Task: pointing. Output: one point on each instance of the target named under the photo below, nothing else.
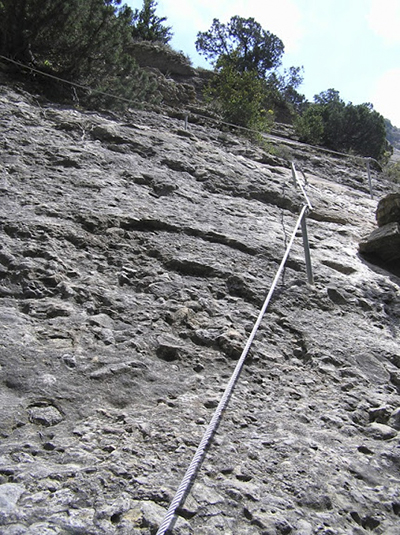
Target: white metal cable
(298, 182)
(73, 84)
(199, 455)
(131, 101)
(188, 478)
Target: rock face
(161, 57)
(134, 258)
(178, 82)
(384, 242)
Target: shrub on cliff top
(147, 26)
(246, 86)
(83, 41)
(343, 127)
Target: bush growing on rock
(343, 127)
(239, 97)
(310, 125)
(147, 26)
(244, 55)
(392, 172)
(82, 41)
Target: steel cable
(188, 479)
(132, 101)
(298, 182)
(73, 84)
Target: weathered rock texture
(388, 210)
(179, 84)
(134, 258)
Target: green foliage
(147, 26)
(243, 43)
(343, 127)
(244, 55)
(310, 125)
(329, 97)
(392, 172)
(239, 97)
(84, 41)
(282, 96)
(392, 134)
(365, 131)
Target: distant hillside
(393, 134)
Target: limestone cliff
(134, 258)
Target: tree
(330, 97)
(147, 26)
(282, 95)
(239, 97)
(242, 53)
(240, 48)
(22, 22)
(83, 41)
(310, 125)
(242, 42)
(332, 109)
(343, 127)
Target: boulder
(383, 244)
(388, 210)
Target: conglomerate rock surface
(134, 258)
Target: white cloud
(385, 96)
(384, 20)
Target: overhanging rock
(383, 242)
(388, 210)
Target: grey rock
(383, 242)
(395, 419)
(15, 529)
(10, 493)
(47, 415)
(134, 259)
(169, 348)
(388, 210)
(381, 431)
(336, 296)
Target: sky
(352, 46)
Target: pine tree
(330, 122)
(242, 42)
(147, 26)
(83, 41)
